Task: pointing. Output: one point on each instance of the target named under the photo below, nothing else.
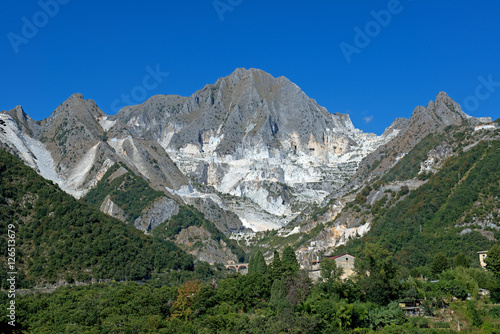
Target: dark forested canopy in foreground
(274, 298)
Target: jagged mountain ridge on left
(72, 149)
(75, 136)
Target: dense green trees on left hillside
(58, 237)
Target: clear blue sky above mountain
(104, 49)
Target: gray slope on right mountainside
(435, 117)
